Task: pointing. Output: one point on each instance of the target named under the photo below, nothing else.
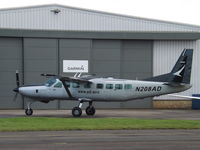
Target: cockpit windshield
(50, 82)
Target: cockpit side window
(58, 85)
(50, 82)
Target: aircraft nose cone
(16, 90)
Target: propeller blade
(17, 78)
(16, 90)
(15, 97)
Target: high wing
(77, 78)
(182, 96)
(74, 79)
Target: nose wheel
(28, 110)
(77, 111)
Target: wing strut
(66, 88)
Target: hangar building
(37, 39)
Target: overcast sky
(184, 11)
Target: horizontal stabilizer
(173, 84)
(182, 96)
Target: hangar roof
(56, 17)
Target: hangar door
(73, 49)
(128, 59)
(136, 63)
(10, 61)
(40, 56)
(106, 55)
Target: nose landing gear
(28, 110)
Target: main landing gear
(77, 111)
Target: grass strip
(54, 124)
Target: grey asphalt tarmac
(125, 113)
(106, 139)
(102, 140)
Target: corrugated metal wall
(165, 55)
(75, 19)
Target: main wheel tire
(76, 112)
(90, 111)
(28, 112)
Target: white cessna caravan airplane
(88, 88)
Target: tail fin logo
(178, 73)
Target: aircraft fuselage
(102, 89)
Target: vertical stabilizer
(183, 67)
(181, 72)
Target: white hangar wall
(165, 55)
(76, 19)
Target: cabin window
(128, 86)
(99, 86)
(118, 86)
(87, 85)
(75, 85)
(109, 86)
(58, 85)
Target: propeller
(15, 97)
(16, 90)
